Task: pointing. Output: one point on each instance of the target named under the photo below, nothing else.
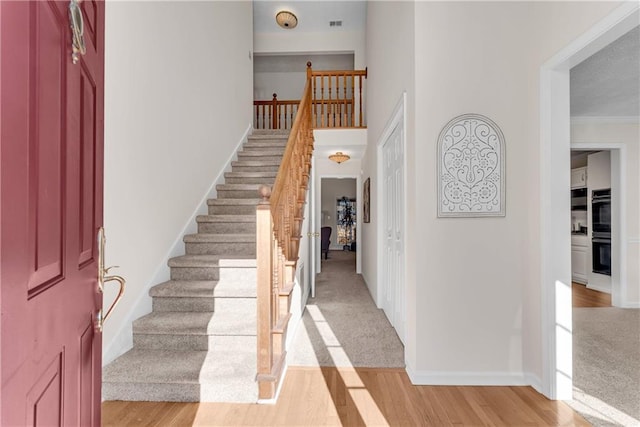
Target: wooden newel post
(274, 114)
(309, 70)
(264, 256)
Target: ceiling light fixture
(286, 19)
(339, 157)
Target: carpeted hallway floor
(341, 325)
(606, 365)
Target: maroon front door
(51, 134)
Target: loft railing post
(274, 112)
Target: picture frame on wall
(366, 201)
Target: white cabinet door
(579, 258)
(578, 178)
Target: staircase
(199, 342)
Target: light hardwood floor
(584, 297)
(355, 397)
(332, 397)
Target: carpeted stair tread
(248, 163)
(257, 174)
(226, 218)
(237, 261)
(227, 202)
(219, 238)
(267, 133)
(223, 187)
(263, 152)
(197, 323)
(203, 289)
(265, 143)
(225, 373)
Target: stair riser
(227, 227)
(238, 194)
(264, 168)
(213, 273)
(232, 209)
(250, 180)
(221, 248)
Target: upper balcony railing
(336, 102)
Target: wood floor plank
(584, 297)
(354, 397)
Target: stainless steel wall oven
(601, 231)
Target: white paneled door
(394, 293)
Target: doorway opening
(339, 218)
(557, 340)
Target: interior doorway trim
(555, 261)
(619, 215)
(398, 118)
(318, 214)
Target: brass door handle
(103, 279)
(77, 31)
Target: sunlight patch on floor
(594, 407)
(365, 404)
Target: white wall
(286, 75)
(390, 56)
(473, 285)
(178, 99)
(332, 190)
(309, 42)
(608, 132)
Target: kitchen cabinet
(579, 258)
(578, 178)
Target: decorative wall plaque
(471, 170)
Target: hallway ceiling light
(286, 19)
(339, 157)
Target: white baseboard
(534, 381)
(123, 340)
(274, 400)
(605, 289)
(635, 304)
(468, 378)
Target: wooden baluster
(360, 110)
(322, 106)
(353, 95)
(344, 117)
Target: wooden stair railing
(279, 217)
(337, 98)
(275, 114)
(336, 102)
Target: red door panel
(51, 151)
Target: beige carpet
(606, 365)
(341, 325)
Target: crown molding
(604, 119)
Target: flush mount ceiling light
(286, 19)
(339, 157)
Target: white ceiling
(313, 15)
(607, 84)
